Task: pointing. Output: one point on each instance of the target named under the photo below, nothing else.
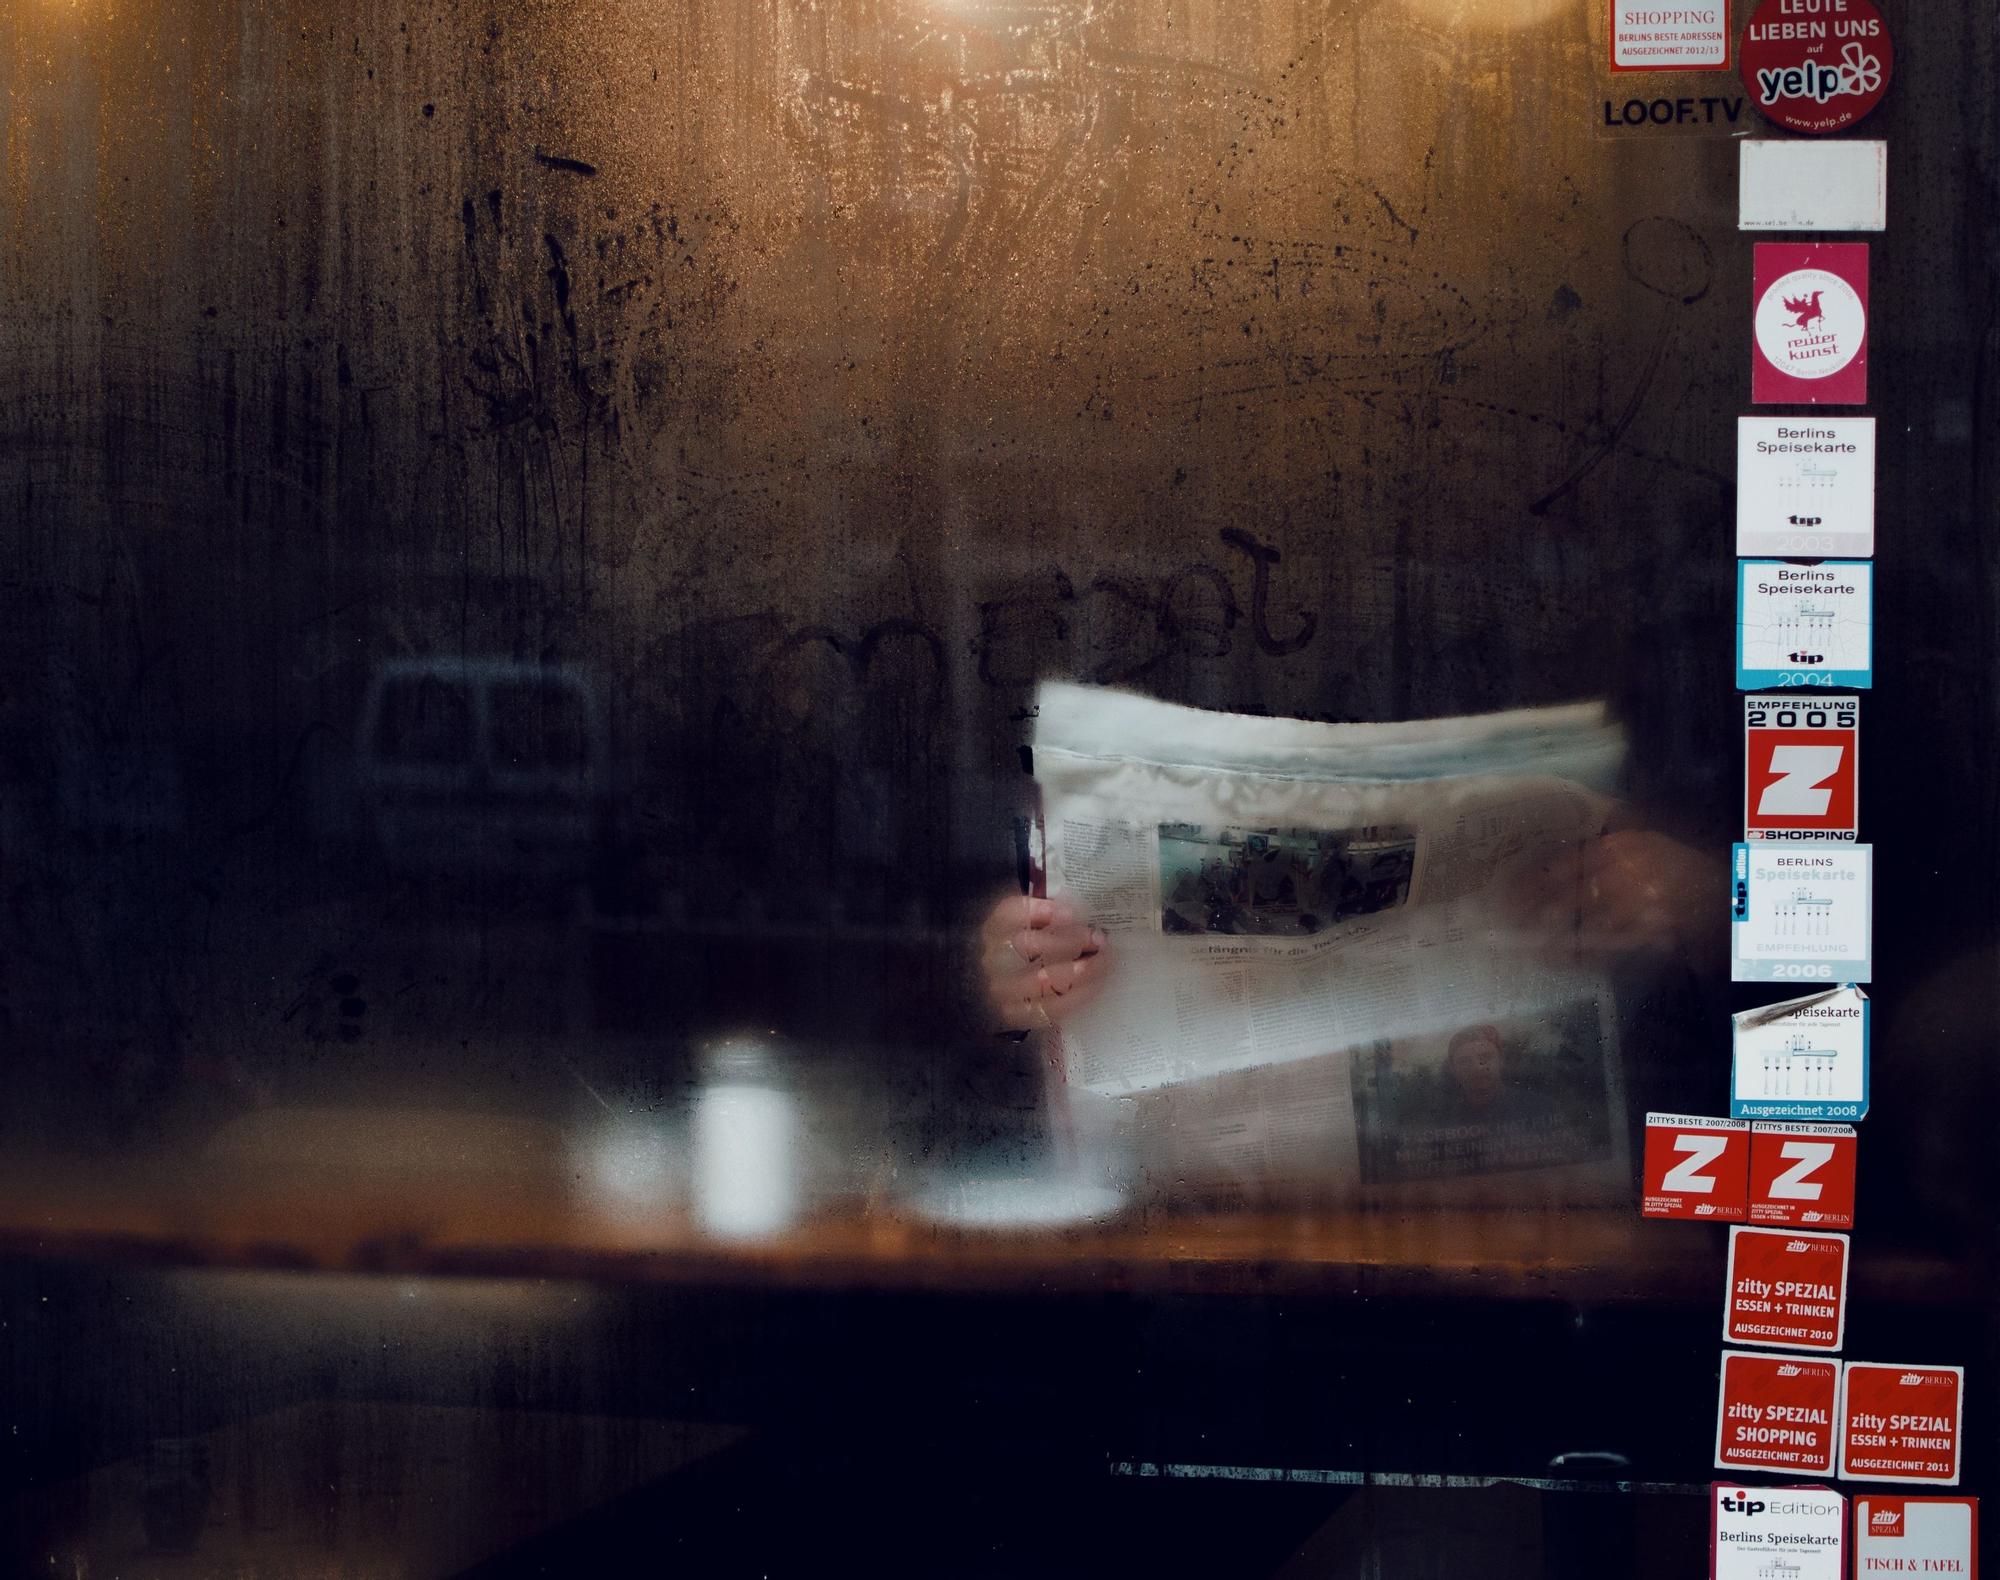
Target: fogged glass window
(538, 724)
(424, 720)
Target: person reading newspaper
(1625, 894)
(1271, 949)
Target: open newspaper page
(1313, 969)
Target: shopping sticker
(1805, 487)
(1817, 65)
(1695, 1168)
(1810, 342)
(1801, 915)
(1801, 769)
(1805, 625)
(1802, 1176)
(1776, 1413)
(1804, 1058)
(1916, 1536)
(1902, 1423)
(1758, 1533)
(1687, 35)
(1787, 1289)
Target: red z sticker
(1802, 769)
(1696, 1168)
(1803, 1175)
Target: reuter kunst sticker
(1811, 324)
(1817, 65)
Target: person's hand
(1627, 894)
(1041, 961)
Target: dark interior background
(812, 379)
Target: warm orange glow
(1489, 15)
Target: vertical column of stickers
(1802, 878)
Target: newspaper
(1277, 889)
(1312, 970)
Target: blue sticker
(1801, 624)
(1802, 915)
(1806, 1058)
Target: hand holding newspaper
(1283, 894)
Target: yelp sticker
(1817, 65)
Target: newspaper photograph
(1529, 1092)
(1278, 890)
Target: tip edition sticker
(1811, 323)
(1792, 1533)
(1802, 915)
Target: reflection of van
(482, 764)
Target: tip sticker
(1802, 915)
(1805, 625)
(1776, 1533)
(1805, 487)
(1805, 1058)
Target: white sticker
(1777, 1533)
(1802, 915)
(1806, 1058)
(1923, 1536)
(1689, 35)
(1805, 624)
(1805, 487)
(1797, 184)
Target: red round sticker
(1817, 65)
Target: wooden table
(412, 1193)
